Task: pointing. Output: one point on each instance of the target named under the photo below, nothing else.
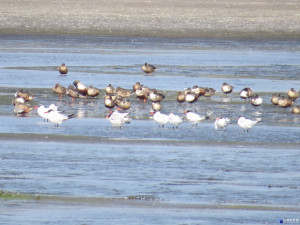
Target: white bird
(43, 111)
(194, 118)
(246, 124)
(160, 118)
(221, 123)
(175, 120)
(117, 119)
(57, 117)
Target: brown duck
(293, 94)
(296, 109)
(81, 88)
(275, 98)
(58, 89)
(109, 101)
(136, 86)
(246, 93)
(63, 70)
(109, 89)
(156, 106)
(285, 102)
(148, 68)
(26, 95)
(156, 96)
(209, 92)
(123, 104)
(226, 88)
(124, 93)
(92, 91)
(180, 97)
(22, 108)
(142, 94)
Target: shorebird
(117, 119)
(221, 123)
(161, 119)
(226, 88)
(175, 120)
(148, 68)
(194, 118)
(43, 111)
(256, 101)
(63, 70)
(246, 124)
(57, 117)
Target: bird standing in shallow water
(57, 117)
(63, 70)
(175, 120)
(148, 68)
(221, 123)
(226, 88)
(161, 119)
(247, 124)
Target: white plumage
(194, 118)
(57, 117)
(221, 123)
(246, 124)
(160, 118)
(175, 120)
(117, 119)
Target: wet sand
(202, 19)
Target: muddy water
(187, 173)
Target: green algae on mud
(138, 201)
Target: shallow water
(189, 172)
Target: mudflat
(272, 19)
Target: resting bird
(57, 117)
(194, 118)
(161, 119)
(175, 120)
(148, 68)
(247, 124)
(117, 119)
(63, 70)
(221, 123)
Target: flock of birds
(116, 100)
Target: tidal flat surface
(188, 175)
